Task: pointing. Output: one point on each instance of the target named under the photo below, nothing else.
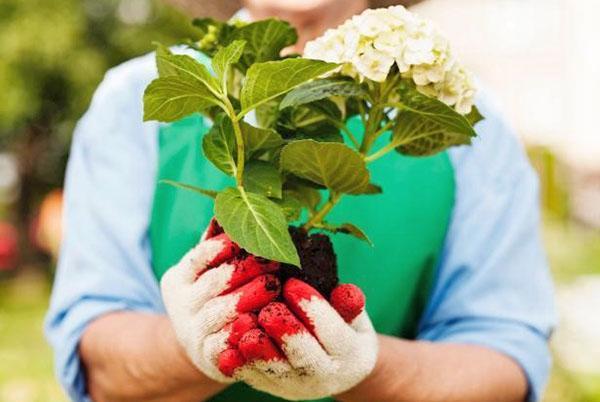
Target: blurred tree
(53, 55)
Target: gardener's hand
(326, 350)
(209, 295)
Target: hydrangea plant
(387, 67)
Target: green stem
(383, 151)
(383, 129)
(345, 129)
(373, 124)
(317, 218)
(239, 142)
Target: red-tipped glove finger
(206, 254)
(253, 345)
(249, 268)
(301, 348)
(230, 360)
(256, 345)
(242, 324)
(348, 300)
(221, 310)
(319, 315)
(229, 277)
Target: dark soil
(317, 258)
(318, 261)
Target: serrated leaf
(291, 206)
(189, 187)
(225, 57)
(164, 69)
(426, 126)
(333, 165)
(169, 99)
(262, 178)
(219, 145)
(257, 224)
(265, 81)
(259, 139)
(187, 68)
(265, 40)
(321, 89)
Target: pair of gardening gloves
(223, 307)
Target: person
(457, 286)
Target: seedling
(280, 122)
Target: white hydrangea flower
(368, 45)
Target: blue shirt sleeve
(104, 263)
(493, 286)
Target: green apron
(407, 224)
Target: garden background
(539, 57)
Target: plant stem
(317, 218)
(383, 129)
(239, 142)
(373, 124)
(383, 151)
(345, 129)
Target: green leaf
(207, 193)
(187, 68)
(291, 206)
(307, 196)
(321, 89)
(262, 178)
(265, 40)
(345, 228)
(426, 126)
(474, 116)
(219, 145)
(311, 121)
(267, 114)
(333, 165)
(259, 139)
(351, 229)
(257, 224)
(265, 81)
(225, 57)
(164, 69)
(168, 99)
(373, 189)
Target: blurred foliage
(554, 183)
(54, 54)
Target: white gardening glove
(210, 294)
(323, 355)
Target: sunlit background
(540, 59)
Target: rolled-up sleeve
(493, 286)
(104, 264)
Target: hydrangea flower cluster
(369, 44)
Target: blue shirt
(492, 288)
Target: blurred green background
(53, 55)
